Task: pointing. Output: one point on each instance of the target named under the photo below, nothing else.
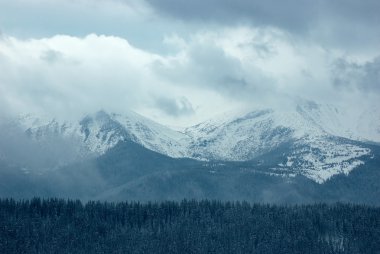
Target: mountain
(130, 171)
(101, 131)
(244, 135)
(319, 143)
(292, 154)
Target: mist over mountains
(307, 154)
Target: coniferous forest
(68, 226)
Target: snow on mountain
(39, 143)
(319, 158)
(101, 131)
(242, 138)
(154, 136)
(318, 137)
(361, 125)
(248, 134)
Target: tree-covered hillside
(59, 226)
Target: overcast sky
(180, 61)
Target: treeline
(60, 226)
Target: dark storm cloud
(331, 19)
(293, 14)
(175, 107)
(366, 77)
(226, 11)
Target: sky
(180, 62)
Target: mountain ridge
(317, 150)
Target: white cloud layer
(71, 76)
(207, 72)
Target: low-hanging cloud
(69, 73)
(179, 107)
(69, 76)
(52, 56)
(352, 75)
(204, 65)
(209, 71)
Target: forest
(71, 226)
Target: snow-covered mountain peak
(353, 123)
(317, 140)
(101, 131)
(303, 117)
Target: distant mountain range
(129, 156)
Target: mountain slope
(130, 171)
(246, 134)
(316, 149)
(316, 140)
(99, 132)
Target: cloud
(65, 73)
(129, 19)
(69, 76)
(173, 107)
(353, 75)
(228, 61)
(51, 56)
(207, 72)
(203, 65)
(282, 14)
(247, 64)
(332, 22)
